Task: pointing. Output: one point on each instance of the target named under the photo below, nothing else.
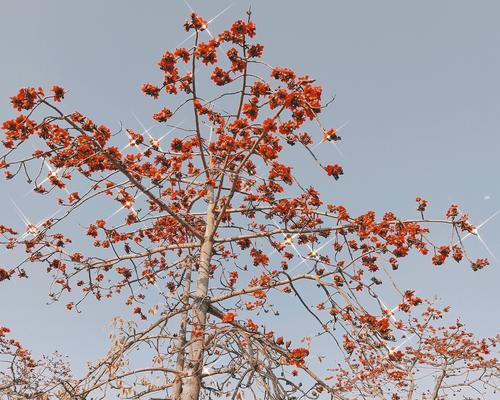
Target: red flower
(259, 89)
(480, 263)
(422, 204)
(163, 115)
(58, 93)
(452, 211)
(167, 62)
(229, 317)
(206, 51)
(25, 99)
(330, 135)
(4, 330)
(252, 325)
(259, 258)
(196, 22)
(281, 171)
(233, 278)
(251, 111)
(269, 125)
(124, 271)
(182, 53)
(251, 29)
(151, 90)
(334, 170)
(283, 74)
(255, 51)
(4, 274)
(297, 356)
(457, 253)
(239, 28)
(220, 77)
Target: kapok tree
(433, 360)
(23, 377)
(217, 230)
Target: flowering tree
(440, 362)
(24, 377)
(218, 229)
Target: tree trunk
(179, 365)
(439, 382)
(192, 383)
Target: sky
(416, 99)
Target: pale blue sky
(417, 93)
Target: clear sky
(417, 96)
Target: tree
(216, 226)
(24, 377)
(443, 361)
